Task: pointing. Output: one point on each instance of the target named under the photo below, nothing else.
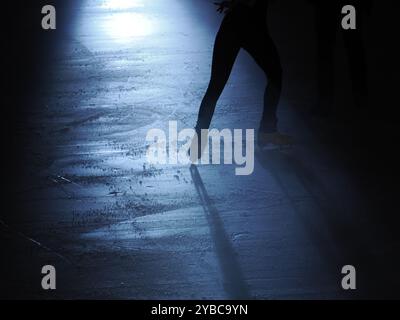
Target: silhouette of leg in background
(326, 27)
(354, 45)
(328, 20)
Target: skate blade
(272, 147)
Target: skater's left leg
(265, 53)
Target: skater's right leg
(225, 52)
(226, 49)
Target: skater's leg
(226, 49)
(225, 52)
(265, 53)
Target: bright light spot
(121, 4)
(123, 27)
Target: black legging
(243, 28)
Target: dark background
(368, 141)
